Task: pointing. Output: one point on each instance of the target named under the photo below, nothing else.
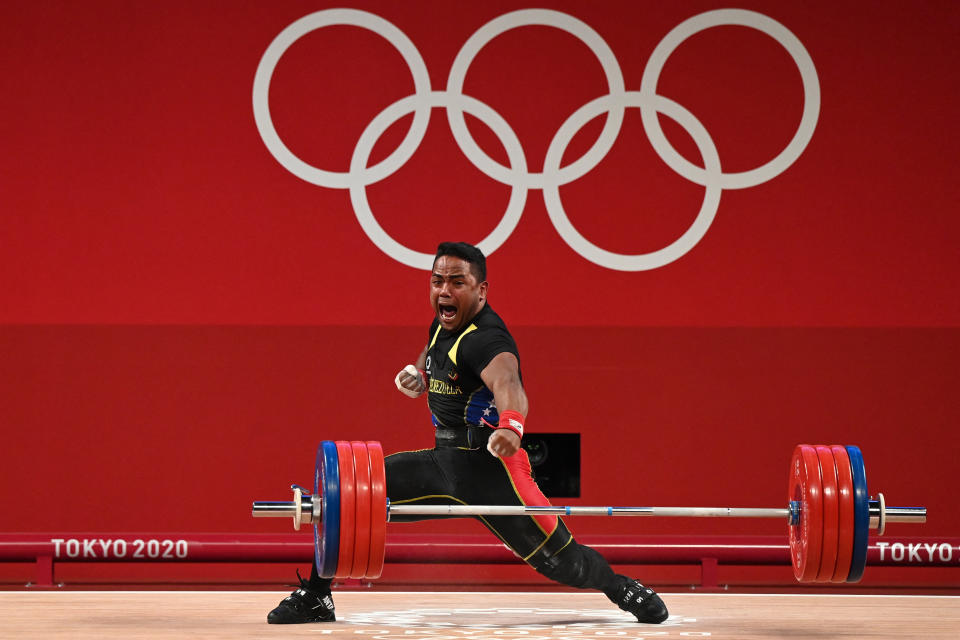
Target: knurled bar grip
(495, 510)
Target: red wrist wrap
(512, 420)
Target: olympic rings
(553, 175)
(261, 89)
(370, 135)
(808, 75)
(589, 37)
(711, 200)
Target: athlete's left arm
(502, 377)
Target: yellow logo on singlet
(441, 386)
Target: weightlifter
(470, 371)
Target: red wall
(182, 319)
(179, 428)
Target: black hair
(467, 252)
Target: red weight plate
(795, 494)
(828, 474)
(814, 501)
(845, 521)
(348, 509)
(378, 510)
(806, 536)
(361, 547)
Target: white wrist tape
(412, 370)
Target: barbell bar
(829, 512)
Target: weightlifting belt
(470, 437)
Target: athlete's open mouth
(447, 312)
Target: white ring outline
(786, 39)
(680, 246)
(369, 137)
(646, 99)
(546, 18)
(261, 94)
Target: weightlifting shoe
(303, 605)
(641, 601)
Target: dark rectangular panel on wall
(555, 461)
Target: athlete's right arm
(412, 379)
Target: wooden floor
(478, 616)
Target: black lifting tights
(579, 566)
(471, 476)
(575, 565)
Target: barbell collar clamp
(303, 509)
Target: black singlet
(457, 395)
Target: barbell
(829, 511)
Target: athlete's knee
(573, 564)
(561, 560)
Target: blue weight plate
(326, 535)
(316, 496)
(861, 514)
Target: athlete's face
(455, 294)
